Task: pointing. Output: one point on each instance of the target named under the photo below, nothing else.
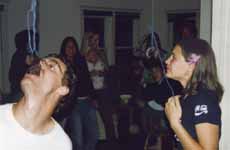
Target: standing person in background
(20, 62)
(85, 43)
(98, 73)
(195, 116)
(97, 69)
(93, 44)
(28, 124)
(188, 30)
(82, 123)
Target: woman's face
(92, 56)
(177, 67)
(70, 49)
(94, 42)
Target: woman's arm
(207, 133)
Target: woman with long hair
(195, 116)
(82, 123)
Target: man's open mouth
(35, 68)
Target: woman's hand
(173, 110)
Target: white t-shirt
(14, 137)
(98, 80)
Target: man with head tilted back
(28, 124)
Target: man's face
(45, 77)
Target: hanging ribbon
(31, 23)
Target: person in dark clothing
(195, 116)
(81, 123)
(156, 94)
(70, 50)
(20, 62)
(162, 88)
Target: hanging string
(31, 23)
(154, 46)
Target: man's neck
(33, 116)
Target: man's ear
(63, 90)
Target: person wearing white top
(28, 124)
(97, 69)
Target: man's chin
(27, 86)
(27, 80)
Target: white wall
(58, 19)
(206, 20)
(221, 46)
(4, 1)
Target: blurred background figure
(188, 30)
(93, 44)
(98, 68)
(20, 62)
(82, 123)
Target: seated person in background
(161, 88)
(156, 93)
(136, 77)
(28, 124)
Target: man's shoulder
(62, 138)
(5, 108)
(5, 115)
